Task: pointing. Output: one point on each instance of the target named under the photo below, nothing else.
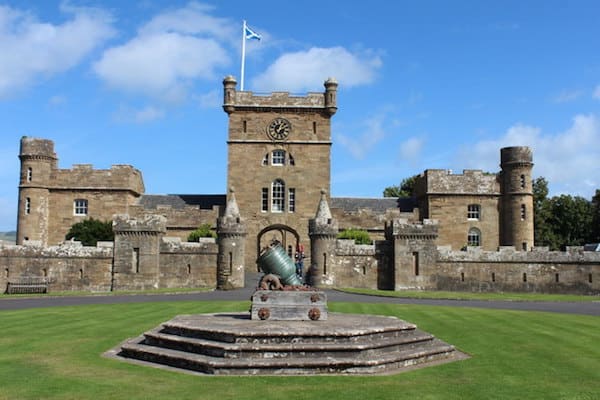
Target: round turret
(517, 197)
(229, 84)
(38, 161)
(331, 95)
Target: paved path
(584, 308)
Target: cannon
(278, 267)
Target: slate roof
(179, 201)
(378, 205)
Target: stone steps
(365, 345)
(232, 344)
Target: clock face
(279, 129)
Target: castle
(469, 231)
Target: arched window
(474, 237)
(278, 196)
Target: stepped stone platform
(235, 344)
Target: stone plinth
(276, 305)
(234, 344)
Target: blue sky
(423, 84)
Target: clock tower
(279, 159)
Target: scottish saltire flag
(250, 34)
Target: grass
(491, 296)
(55, 353)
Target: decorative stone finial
(323, 212)
(232, 210)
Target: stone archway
(287, 236)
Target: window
(523, 212)
(245, 126)
(80, 207)
(291, 199)
(278, 157)
(474, 237)
(278, 196)
(264, 200)
(314, 126)
(29, 174)
(27, 205)
(473, 211)
(522, 181)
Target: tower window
(29, 174)
(244, 126)
(474, 237)
(315, 127)
(80, 207)
(291, 199)
(522, 181)
(473, 211)
(27, 205)
(278, 196)
(278, 157)
(264, 207)
(523, 212)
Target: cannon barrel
(275, 260)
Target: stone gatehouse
(283, 143)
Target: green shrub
(203, 231)
(358, 235)
(90, 231)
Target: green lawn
(492, 296)
(55, 353)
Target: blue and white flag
(250, 34)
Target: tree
(90, 231)
(571, 221)
(543, 233)
(405, 189)
(595, 234)
(203, 231)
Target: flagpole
(243, 56)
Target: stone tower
(231, 234)
(279, 153)
(516, 227)
(323, 231)
(38, 162)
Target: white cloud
(31, 50)
(168, 54)
(307, 70)
(568, 160)
(410, 149)
(567, 96)
(139, 116)
(596, 93)
(212, 99)
(372, 133)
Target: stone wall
(69, 266)
(188, 265)
(357, 266)
(574, 271)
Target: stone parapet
(122, 223)
(470, 182)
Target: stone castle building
(278, 172)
